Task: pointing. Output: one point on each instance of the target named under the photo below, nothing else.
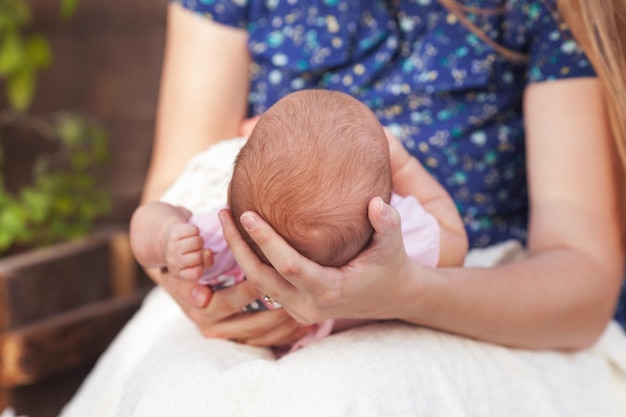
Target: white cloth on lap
(160, 365)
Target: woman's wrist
(417, 299)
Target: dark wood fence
(107, 64)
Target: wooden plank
(124, 268)
(43, 282)
(40, 350)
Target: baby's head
(310, 167)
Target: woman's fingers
(285, 334)
(220, 315)
(294, 281)
(260, 274)
(294, 270)
(231, 301)
(386, 223)
(205, 307)
(244, 326)
(310, 292)
(188, 294)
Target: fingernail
(384, 210)
(198, 296)
(248, 221)
(222, 217)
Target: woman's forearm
(558, 299)
(564, 293)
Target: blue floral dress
(452, 98)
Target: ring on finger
(268, 299)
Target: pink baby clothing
(224, 272)
(420, 234)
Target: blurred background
(88, 80)
(106, 63)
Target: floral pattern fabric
(453, 99)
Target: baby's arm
(161, 236)
(410, 178)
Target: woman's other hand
(371, 286)
(220, 314)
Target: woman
(573, 308)
(468, 90)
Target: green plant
(63, 199)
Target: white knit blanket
(160, 365)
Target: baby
(310, 167)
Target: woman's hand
(219, 314)
(371, 286)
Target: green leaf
(68, 8)
(64, 205)
(70, 130)
(83, 181)
(11, 54)
(100, 145)
(103, 202)
(36, 204)
(13, 14)
(88, 210)
(5, 199)
(21, 89)
(38, 51)
(55, 230)
(80, 161)
(12, 219)
(6, 239)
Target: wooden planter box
(60, 307)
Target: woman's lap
(160, 365)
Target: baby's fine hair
(310, 167)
